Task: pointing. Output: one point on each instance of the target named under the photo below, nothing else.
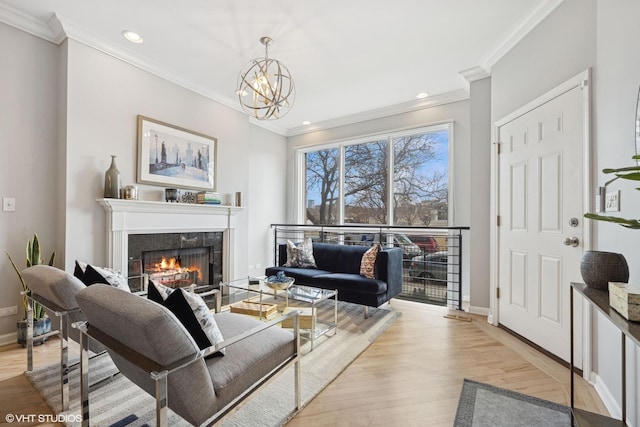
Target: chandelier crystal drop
(266, 89)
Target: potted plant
(599, 268)
(41, 322)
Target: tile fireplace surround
(125, 217)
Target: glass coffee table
(251, 296)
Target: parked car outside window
(409, 249)
(431, 268)
(425, 243)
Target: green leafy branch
(631, 173)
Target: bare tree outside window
(322, 186)
(366, 184)
(421, 177)
(418, 181)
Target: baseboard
(607, 397)
(483, 311)
(9, 338)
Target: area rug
(483, 405)
(121, 403)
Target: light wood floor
(411, 376)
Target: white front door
(540, 206)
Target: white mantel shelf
(146, 206)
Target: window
(399, 179)
(366, 183)
(421, 178)
(322, 186)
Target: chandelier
(266, 89)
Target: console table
(600, 300)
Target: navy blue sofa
(338, 267)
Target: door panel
(519, 197)
(549, 196)
(518, 283)
(550, 288)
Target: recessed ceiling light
(306, 123)
(132, 36)
(422, 95)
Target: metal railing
(432, 256)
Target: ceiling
(350, 60)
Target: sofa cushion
(353, 282)
(339, 258)
(192, 312)
(247, 360)
(302, 275)
(54, 284)
(300, 255)
(91, 274)
(368, 262)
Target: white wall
(28, 131)
(267, 181)
(617, 79)
(458, 112)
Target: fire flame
(172, 266)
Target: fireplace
(140, 229)
(177, 259)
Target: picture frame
(171, 156)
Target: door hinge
(498, 220)
(498, 293)
(584, 83)
(499, 145)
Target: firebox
(178, 267)
(177, 259)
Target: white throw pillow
(301, 255)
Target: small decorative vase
(112, 181)
(171, 195)
(599, 268)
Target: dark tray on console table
(600, 300)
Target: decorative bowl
(599, 268)
(278, 285)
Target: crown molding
(20, 20)
(475, 73)
(406, 107)
(528, 23)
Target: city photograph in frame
(171, 156)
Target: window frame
(299, 199)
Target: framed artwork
(171, 156)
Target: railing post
(460, 270)
(275, 245)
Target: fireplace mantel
(146, 206)
(126, 217)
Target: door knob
(571, 241)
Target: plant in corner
(41, 323)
